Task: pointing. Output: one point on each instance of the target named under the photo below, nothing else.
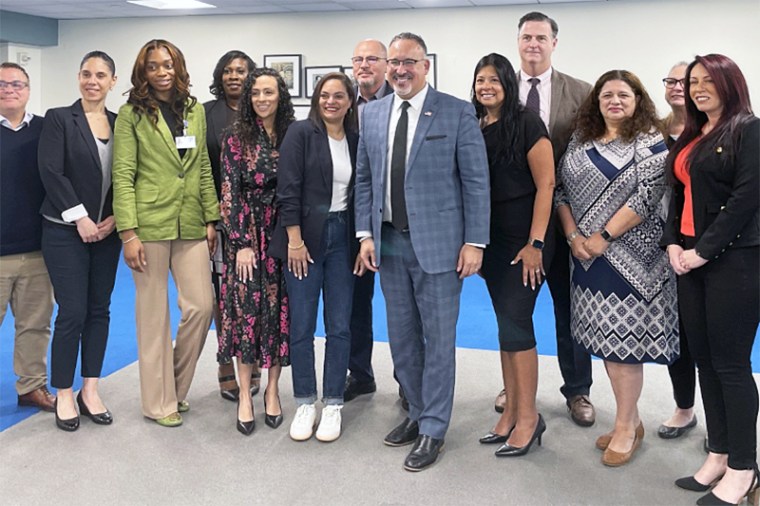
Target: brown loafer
(612, 458)
(603, 441)
(581, 410)
(501, 401)
(40, 398)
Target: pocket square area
(435, 137)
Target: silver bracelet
(572, 235)
(131, 239)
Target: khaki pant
(24, 283)
(166, 372)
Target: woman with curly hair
(254, 303)
(623, 294)
(165, 208)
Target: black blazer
(217, 114)
(70, 165)
(725, 194)
(304, 188)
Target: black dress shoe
(69, 425)
(245, 428)
(355, 388)
(104, 418)
(424, 454)
(405, 434)
(690, 483)
(493, 438)
(273, 421)
(666, 432)
(507, 450)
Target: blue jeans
(332, 275)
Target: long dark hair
(590, 122)
(732, 90)
(508, 124)
(141, 94)
(246, 126)
(350, 121)
(217, 88)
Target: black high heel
(752, 495)
(69, 425)
(507, 450)
(104, 418)
(690, 483)
(272, 421)
(494, 437)
(245, 428)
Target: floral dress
(254, 314)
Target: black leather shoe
(493, 438)
(507, 450)
(424, 454)
(104, 418)
(355, 388)
(69, 425)
(690, 483)
(405, 434)
(245, 428)
(666, 432)
(273, 421)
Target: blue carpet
(476, 329)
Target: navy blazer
(725, 194)
(304, 188)
(69, 163)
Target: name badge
(185, 142)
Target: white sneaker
(303, 424)
(329, 425)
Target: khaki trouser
(24, 283)
(166, 372)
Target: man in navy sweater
(24, 282)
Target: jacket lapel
(168, 138)
(80, 120)
(324, 158)
(427, 116)
(558, 88)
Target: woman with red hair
(712, 239)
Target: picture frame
(314, 74)
(349, 71)
(289, 67)
(432, 76)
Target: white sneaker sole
(328, 439)
(302, 437)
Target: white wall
(644, 36)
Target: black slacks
(720, 309)
(83, 276)
(360, 362)
(683, 374)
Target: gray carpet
(206, 461)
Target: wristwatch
(536, 243)
(606, 235)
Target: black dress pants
(720, 309)
(83, 276)
(360, 362)
(683, 374)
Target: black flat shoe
(104, 418)
(69, 425)
(690, 483)
(507, 450)
(404, 434)
(273, 421)
(355, 388)
(667, 432)
(245, 428)
(424, 454)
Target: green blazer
(157, 193)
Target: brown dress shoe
(501, 401)
(603, 441)
(581, 410)
(40, 398)
(612, 458)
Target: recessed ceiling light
(172, 4)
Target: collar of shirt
(415, 102)
(378, 95)
(24, 122)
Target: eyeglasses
(14, 85)
(669, 82)
(371, 60)
(407, 63)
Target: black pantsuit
(83, 276)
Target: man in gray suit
(422, 214)
(556, 97)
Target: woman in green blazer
(165, 207)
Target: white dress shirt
(24, 122)
(544, 89)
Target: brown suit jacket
(568, 93)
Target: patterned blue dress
(624, 306)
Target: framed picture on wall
(349, 71)
(289, 67)
(314, 74)
(432, 76)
